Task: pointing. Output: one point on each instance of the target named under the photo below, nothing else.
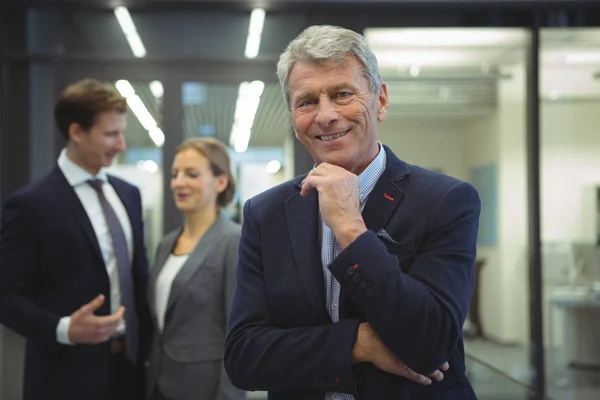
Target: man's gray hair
(328, 45)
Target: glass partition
(570, 209)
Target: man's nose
(326, 112)
(121, 142)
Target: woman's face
(193, 183)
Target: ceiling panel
(215, 113)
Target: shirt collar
(74, 173)
(369, 177)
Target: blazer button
(356, 277)
(369, 292)
(362, 285)
(350, 270)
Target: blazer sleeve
(419, 314)
(142, 281)
(261, 356)
(226, 389)
(18, 258)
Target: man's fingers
(306, 187)
(437, 376)
(120, 312)
(309, 183)
(417, 378)
(108, 320)
(445, 367)
(90, 307)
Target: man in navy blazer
(354, 280)
(62, 283)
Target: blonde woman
(193, 280)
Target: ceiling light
(157, 136)
(139, 109)
(409, 58)
(441, 37)
(273, 166)
(246, 106)
(157, 89)
(257, 19)
(414, 71)
(583, 58)
(125, 88)
(554, 95)
(130, 31)
(141, 112)
(148, 166)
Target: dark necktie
(119, 244)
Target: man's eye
(306, 103)
(344, 94)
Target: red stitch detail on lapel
(387, 196)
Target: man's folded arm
(259, 356)
(419, 314)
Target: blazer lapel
(303, 228)
(386, 195)
(194, 262)
(164, 249)
(69, 198)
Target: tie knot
(96, 184)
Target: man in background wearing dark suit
(73, 267)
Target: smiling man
(354, 280)
(73, 265)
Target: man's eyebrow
(335, 88)
(301, 95)
(342, 85)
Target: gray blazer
(186, 359)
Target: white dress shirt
(77, 178)
(164, 281)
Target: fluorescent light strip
(257, 20)
(130, 31)
(246, 106)
(141, 112)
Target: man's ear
(383, 103)
(76, 132)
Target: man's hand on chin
(339, 201)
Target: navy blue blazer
(50, 265)
(410, 276)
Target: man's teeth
(331, 137)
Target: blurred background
(503, 94)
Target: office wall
(570, 169)
(570, 149)
(430, 143)
(455, 145)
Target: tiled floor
(562, 383)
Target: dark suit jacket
(186, 358)
(411, 281)
(50, 265)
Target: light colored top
(77, 178)
(164, 282)
(330, 247)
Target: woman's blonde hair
(218, 157)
